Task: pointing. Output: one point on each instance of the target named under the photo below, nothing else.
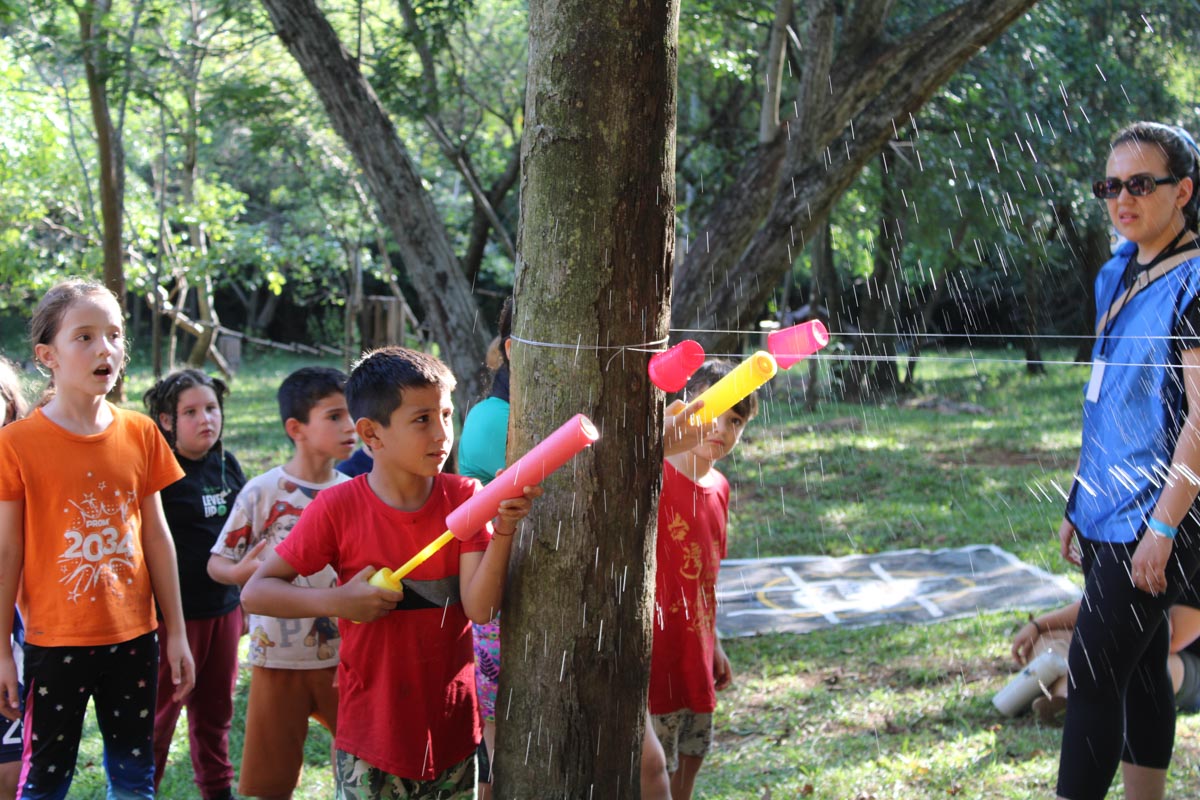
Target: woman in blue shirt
(1130, 521)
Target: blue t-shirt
(359, 463)
(484, 441)
(1134, 410)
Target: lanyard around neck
(1162, 264)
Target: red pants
(214, 646)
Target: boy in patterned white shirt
(294, 661)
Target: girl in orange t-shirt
(85, 552)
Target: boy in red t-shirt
(687, 664)
(407, 718)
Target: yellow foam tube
(739, 383)
(390, 579)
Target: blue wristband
(1161, 528)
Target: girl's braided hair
(163, 398)
(15, 406)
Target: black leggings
(1120, 705)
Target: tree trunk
(768, 119)
(192, 61)
(481, 224)
(1032, 275)
(825, 296)
(206, 302)
(594, 254)
(264, 316)
(850, 98)
(110, 154)
(1087, 247)
(1095, 252)
(867, 377)
(933, 300)
(404, 206)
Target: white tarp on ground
(805, 593)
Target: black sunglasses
(1137, 185)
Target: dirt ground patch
(1003, 457)
(757, 709)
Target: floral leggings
(355, 779)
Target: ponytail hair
(1181, 153)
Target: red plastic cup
(797, 342)
(670, 370)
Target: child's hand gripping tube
(670, 371)
(739, 383)
(529, 470)
(798, 342)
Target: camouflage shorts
(683, 732)
(356, 779)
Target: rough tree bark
(404, 206)
(594, 253)
(856, 86)
(188, 66)
(110, 154)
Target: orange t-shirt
(84, 579)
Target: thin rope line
(966, 359)
(660, 345)
(938, 335)
(653, 346)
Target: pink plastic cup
(670, 370)
(797, 342)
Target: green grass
(883, 712)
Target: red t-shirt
(692, 520)
(406, 682)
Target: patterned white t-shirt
(268, 508)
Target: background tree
(991, 186)
(403, 204)
(863, 66)
(595, 249)
(95, 26)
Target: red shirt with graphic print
(692, 521)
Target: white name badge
(1093, 387)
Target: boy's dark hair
(163, 398)
(306, 387)
(377, 382)
(709, 373)
(1179, 150)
